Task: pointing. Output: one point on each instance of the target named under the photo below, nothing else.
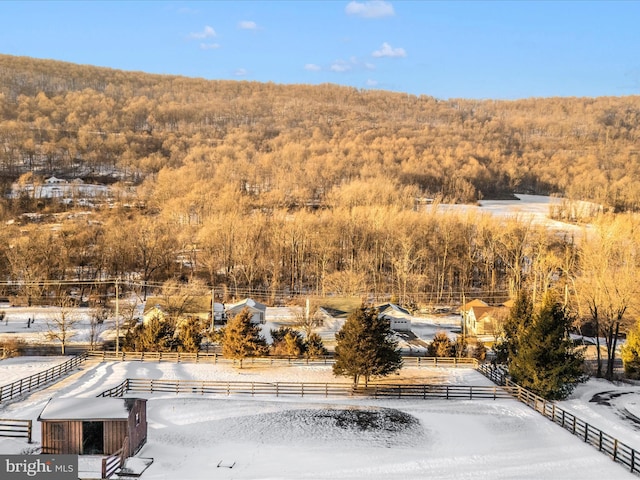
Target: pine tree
(480, 351)
(519, 319)
(156, 335)
(241, 338)
(546, 361)
(365, 347)
(190, 335)
(313, 347)
(287, 341)
(441, 346)
(630, 353)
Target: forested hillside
(294, 145)
(276, 191)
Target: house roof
(100, 408)
(482, 313)
(247, 302)
(509, 303)
(392, 308)
(473, 303)
(196, 304)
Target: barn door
(92, 438)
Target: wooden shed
(93, 426)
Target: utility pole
(213, 310)
(117, 318)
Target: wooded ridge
(290, 146)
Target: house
(479, 318)
(54, 181)
(93, 426)
(398, 317)
(180, 308)
(257, 310)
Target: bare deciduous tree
(61, 325)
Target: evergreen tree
(480, 351)
(441, 346)
(519, 319)
(546, 360)
(365, 347)
(241, 338)
(156, 335)
(190, 335)
(287, 341)
(630, 353)
(313, 347)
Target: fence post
(586, 432)
(615, 450)
(29, 431)
(600, 441)
(633, 460)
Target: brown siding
(137, 433)
(62, 437)
(114, 433)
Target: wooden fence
(201, 387)
(114, 461)
(24, 385)
(178, 357)
(616, 450)
(16, 428)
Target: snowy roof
(55, 180)
(100, 408)
(247, 302)
(384, 309)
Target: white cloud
(372, 83)
(369, 66)
(208, 32)
(371, 9)
(388, 51)
(209, 46)
(240, 72)
(247, 25)
(312, 67)
(340, 66)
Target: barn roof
(100, 408)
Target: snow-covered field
(533, 208)
(296, 438)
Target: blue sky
(452, 49)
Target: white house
(55, 181)
(398, 317)
(257, 310)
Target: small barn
(93, 426)
(399, 318)
(258, 310)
